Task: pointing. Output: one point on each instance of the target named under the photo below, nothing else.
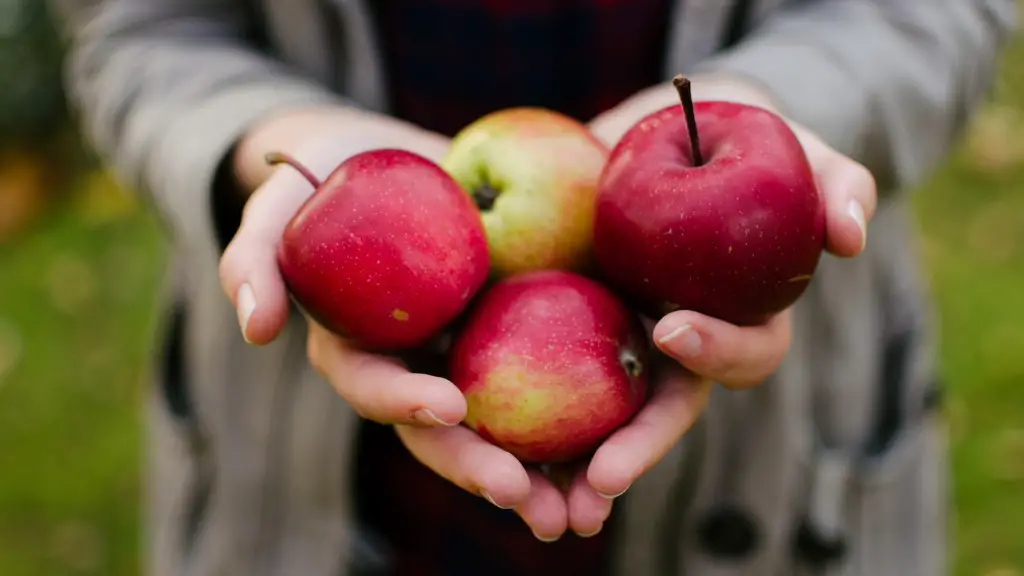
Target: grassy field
(76, 310)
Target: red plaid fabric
(450, 62)
(430, 527)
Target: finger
(677, 400)
(248, 268)
(736, 357)
(850, 199)
(588, 510)
(466, 460)
(850, 194)
(380, 388)
(544, 510)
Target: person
(817, 451)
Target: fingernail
(491, 500)
(683, 342)
(614, 496)
(545, 540)
(591, 534)
(246, 305)
(856, 212)
(428, 418)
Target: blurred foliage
(39, 151)
(32, 103)
(77, 298)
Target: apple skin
(543, 167)
(551, 363)
(737, 238)
(386, 252)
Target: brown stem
(682, 85)
(274, 158)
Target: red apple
(386, 252)
(734, 231)
(551, 363)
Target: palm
(575, 497)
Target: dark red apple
(727, 222)
(551, 363)
(386, 252)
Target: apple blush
(710, 207)
(386, 252)
(533, 174)
(551, 363)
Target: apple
(710, 207)
(533, 175)
(551, 363)
(386, 252)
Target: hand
(376, 387)
(424, 409)
(742, 357)
(706, 349)
(320, 139)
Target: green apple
(533, 175)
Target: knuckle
(862, 178)
(314, 352)
(226, 267)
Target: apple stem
(485, 196)
(683, 87)
(275, 158)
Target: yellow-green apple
(710, 207)
(533, 174)
(551, 363)
(387, 251)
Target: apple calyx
(683, 87)
(631, 363)
(485, 195)
(276, 158)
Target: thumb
(248, 270)
(849, 190)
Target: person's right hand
(425, 410)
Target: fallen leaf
(102, 199)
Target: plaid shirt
(450, 62)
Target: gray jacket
(835, 466)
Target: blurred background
(80, 261)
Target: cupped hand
(320, 140)
(704, 349)
(739, 357)
(424, 409)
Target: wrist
(344, 131)
(283, 132)
(733, 88)
(611, 125)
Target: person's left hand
(703, 349)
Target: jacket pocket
(899, 506)
(179, 442)
(879, 506)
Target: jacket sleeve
(165, 88)
(889, 83)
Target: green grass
(77, 310)
(76, 301)
(972, 220)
